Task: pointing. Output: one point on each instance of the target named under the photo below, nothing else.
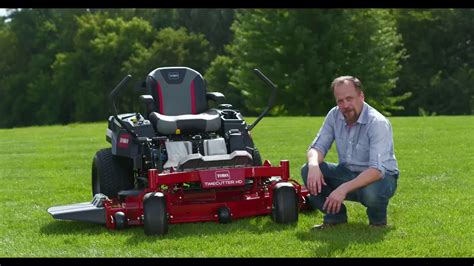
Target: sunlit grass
(430, 215)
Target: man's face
(349, 100)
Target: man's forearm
(365, 178)
(315, 157)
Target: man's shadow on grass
(336, 240)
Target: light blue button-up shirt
(367, 144)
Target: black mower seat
(208, 121)
(180, 100)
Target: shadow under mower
(183, 162)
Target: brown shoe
(326, 225)
(371, 225)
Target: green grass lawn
(429, 216)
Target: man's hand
(315, 179)
(334, 200)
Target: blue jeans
(374, 196)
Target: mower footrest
(86, 212)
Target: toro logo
(222, 175)
(124, 139)
(173, 75)
(222, 178)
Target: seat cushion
(208, 121)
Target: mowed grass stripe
(430, 215)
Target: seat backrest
(177, 90)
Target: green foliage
(218, 77)
(9, 95)
(59, 65)
(94, 67)
(439, 69)
(304, 50)
(32, 39)
(213, 23)
(62, 64)
(171, 48)
(158, 18)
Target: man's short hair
(341, 79)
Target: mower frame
(170, 196)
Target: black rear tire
(111, 174)
(257, 159)
(285, 203)
(154, 213)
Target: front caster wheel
(120, 220)
(285, 203)
(155, 216)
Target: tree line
(58, 65)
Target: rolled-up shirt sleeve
(325, 136)
(379, 151)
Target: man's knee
(325, 169)
(373, 198)
(378, 193)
